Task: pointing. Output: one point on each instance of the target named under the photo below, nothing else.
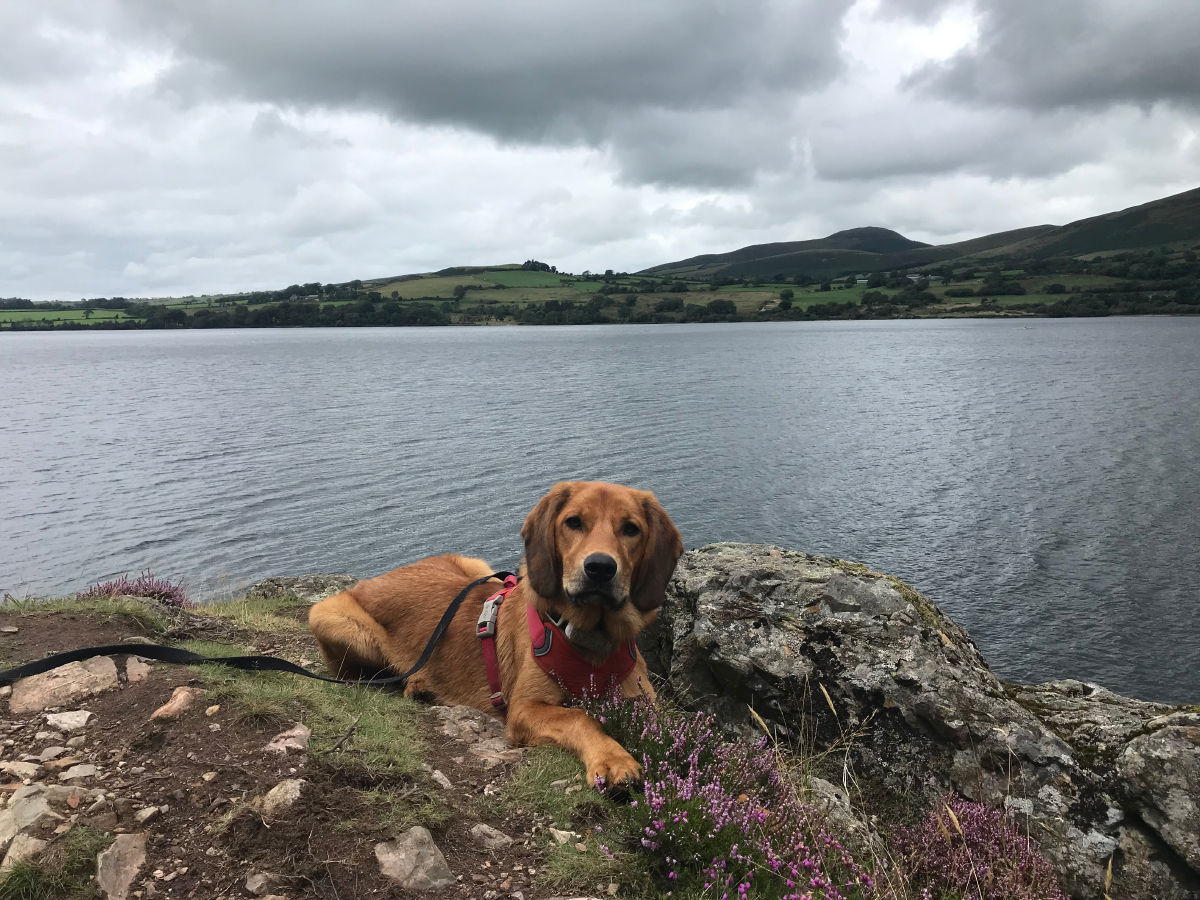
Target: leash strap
(180, 656)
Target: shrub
(1055, 288)
(959, 292)
(145, 585)
(787, 294)
(968, 850)
(724, 817)
(721, 307)
(668, 304)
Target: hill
(1170, 220)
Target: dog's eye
(630, 530)
(574, 523)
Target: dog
(598, 558)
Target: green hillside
(1172, 221)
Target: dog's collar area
(577, 676)
(485, 630)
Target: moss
(856, 568)
(929, 615)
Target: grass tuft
(63, 873)
(262, 614)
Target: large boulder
(831, 653)
(307, 588)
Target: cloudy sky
(152, 147)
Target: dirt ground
(203, 770)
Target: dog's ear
(664, 546)
(543, 565)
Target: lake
(1040, 480)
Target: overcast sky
(153, 147)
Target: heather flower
(721, 815)
(145, 585)
(973, 851)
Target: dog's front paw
(615, 770)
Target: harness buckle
(486, 626)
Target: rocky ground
(128, 779)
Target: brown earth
(321, 847)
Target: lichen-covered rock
(1159, 773)
(831, 652)
(307, 588)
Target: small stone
(295, 738)
(490, 838)
(414, 861)
(561, 784)
(117, 866)
(63, 762)
(147, 815)
(51, 753)
(213, 710)
(136, 669)
(561, 837)
(9, 629)
(209, 776)
(279, 798)
(215, 726)
(78, 741)
(260, 883)
(582, 848)
(86, 770)
(137, 770)
(76, 720)
(442, 781)
(182, 699)
(5, 692)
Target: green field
(60, 315)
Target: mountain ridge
(1167, 220)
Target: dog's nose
(600, 567)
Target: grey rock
(83, 770)
(147, 815)
(1159, 773)
(22, 848)
(483, 734)
(23, 770)
(414, 862)
(261, 883)
(295, 739)
(752, 625)
(307, 588)
(117, 866)
(490, 838)
(280, 798)
(75, 720)
(64, 685)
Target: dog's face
(600, 555)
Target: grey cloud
(527, 71)
(1075, 53)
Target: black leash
(247, 663)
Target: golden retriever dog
(597, 561)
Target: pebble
(213, 710)
(78, 741)
(9, 629)
(147, 815)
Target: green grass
(60, 315)
(386, 745)
(63, 873)
(140, 615)
(523, 278)
(260, 614)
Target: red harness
(553, 652)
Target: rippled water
(1040, 480)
